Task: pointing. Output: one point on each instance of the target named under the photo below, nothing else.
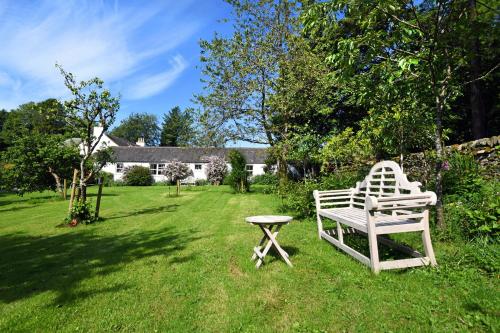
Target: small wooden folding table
(267, 223)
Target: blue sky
(146, 50)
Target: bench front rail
(374, 208)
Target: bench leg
(426, 238)
(320, 225)
(373, 243)
(340, 233)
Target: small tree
(137, 176)
(216, 170)
(176, 171)
(30, 163)
(238, 178)
(91, 105)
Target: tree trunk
(73, 190)
(478, 110)
(59, 187)
(83, 184)
(178, 183)
(438, 140)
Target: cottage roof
(120, 141)
(184, 154)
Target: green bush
(137, 176)
(106, 178)
(298, 196)
(82, 212)
(238, 177)
(265, 179)
(476, 213)
(201, 182)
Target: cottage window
(119, 167)
(250, 170)
(197, 166)
(153, 169)
(161, 168)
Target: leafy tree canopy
(139, 125)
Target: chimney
(140, 142)
(97, 131)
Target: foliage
(472, 203)
(346, 148)
(37, 162)
(90, 104)
(240, 71)
(177, 128)
(238, 177)
(403, 58)
(139, 125)
(216, 170)
(176, 170)
(298, 196)
(46, 117)
(201, 182)
(107, 178)
(137, 175)
(82, 212)
(265, 179)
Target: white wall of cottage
(258, 169)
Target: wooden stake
(73, 189)
(99, 194)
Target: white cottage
(127, 154)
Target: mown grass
(182, 264)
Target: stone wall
(486, 151)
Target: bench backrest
(385, 179)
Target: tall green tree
(177, 128)
(409, 51)
(90, 104)
(46, 117)
(241, 71)
(139, 125)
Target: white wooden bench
(385, 202)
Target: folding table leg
(272, 239)
(254, 256)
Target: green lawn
(167, 264)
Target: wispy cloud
(151, 85)
(113, 41)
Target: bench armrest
(401, 201)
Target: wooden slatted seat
(385, 202)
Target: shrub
(106, 178)
(238, 178)
(216, 170)
(137, 176)
(201, 182)
(475, 213)
(81, 212)
(265, 179)
(298, 197)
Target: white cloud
(151, 85)
(90, 39)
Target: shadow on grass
(360, 243)
(33, 265)
(144, 211)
